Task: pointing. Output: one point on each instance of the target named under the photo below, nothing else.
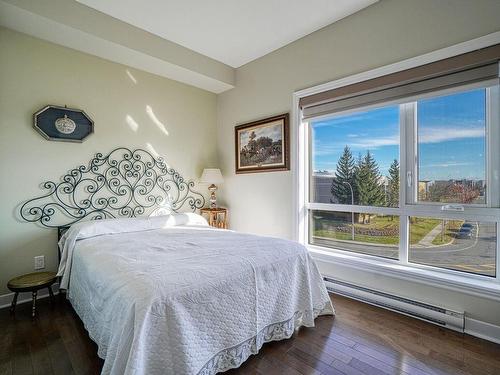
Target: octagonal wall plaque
(63, 124)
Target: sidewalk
(429, 237)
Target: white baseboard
(482, 330)
(6, 299)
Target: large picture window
(412, 178)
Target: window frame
(476, 284)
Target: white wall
(384, 33)
(34, 73)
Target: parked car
(468, 225)
(464, 232)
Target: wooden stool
(31, 282)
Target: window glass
(354, 161)
(373, 234)
(461, 245)
(355, 158)
(451, 136)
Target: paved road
(476, 254)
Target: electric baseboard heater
(433, 314)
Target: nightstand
(217, 217)
(31, 282)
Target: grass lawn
(386, 240)
(419, 227)
(449, 234)
(376, 222)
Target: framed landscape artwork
(263, 145)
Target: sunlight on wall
(155, 120)
(131, 123)
(151, 149)
(155, 153)
(132, 78)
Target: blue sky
(451, 136)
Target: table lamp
(212, 176)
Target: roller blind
(480, 66)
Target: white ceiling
(234, 32)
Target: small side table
(217, 217)
(31, 282)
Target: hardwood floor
(360, 340)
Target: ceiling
(233, 32)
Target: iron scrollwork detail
(123, 183)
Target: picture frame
(263, 145)
(56, 123)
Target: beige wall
(33, 74)
(387, 32)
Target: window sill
(472, 285)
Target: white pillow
(121, 225)
(178, 219)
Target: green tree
(370, 191)
(344, 175)
(263, 142)
(393, 186)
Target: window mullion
(305, 149)
(493, 159)
(497, 258)
(409, 152)
(404, 239)
(493, 143)
(406, 156)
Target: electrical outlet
(39, 262)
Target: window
(451, 136)
(407, 174)
(356, 158)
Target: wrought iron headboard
(123, 183)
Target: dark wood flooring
(360, 340)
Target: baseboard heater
(423, 311)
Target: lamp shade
(211, 176)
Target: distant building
(321, 186)
(423, 189)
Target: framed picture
(263, 145)
(57, 123)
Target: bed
(167, 294)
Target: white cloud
(321, 149)
(440, 134)
(426, 135)
(345, 119)
(447, 164)
(373, 143)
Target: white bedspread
(187, 300)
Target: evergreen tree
(344, 175)
(370, 191)
(393, 186)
